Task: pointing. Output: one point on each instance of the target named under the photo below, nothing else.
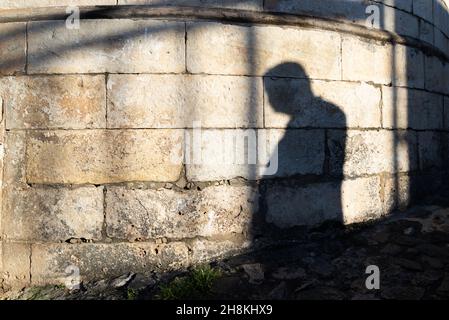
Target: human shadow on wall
(306, 187)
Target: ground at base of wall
(411, 251)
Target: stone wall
(96, 124)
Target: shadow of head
(289, 92)
(281, 93)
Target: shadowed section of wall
(100, 132)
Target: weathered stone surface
(426, 32)
(49, 3)
(446, 112)
(130, 46)
(397, 193)
(399, 22)
(406, 108)
(222, 154)
(12, 48)
(430, 150)
(149, 214)
(100, 156)
(54, 214)
(15, 151)
(348, 10)
(355, 11)
(304, 103)
(240, 50)
(437, 75)
(441, 41)
(382, 63)
(176, 101)
(361, 200)
(68, 102)
(205, 251)
(408, 67)
(245, 5)
(366, 61)
(349, 201)
(99, 261)
(423, 9)
(15, 264)
(405, 5)
(370, 152)
(306, 205)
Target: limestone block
(216, 48)
(423, 9)
(50, 3)
(176, 101)
(54, 214)
(204, 251)
(361, 200)
(441, 41)
(14, 174)
(298, 103)
(12, 48)
(149, 214)
(370, 152)
(226, 154)
(100, 156)
(67, 102)
(372, 61)
(426, 32)
(399, 22)
(366, 61)
(430, 150)
(348, 201)
(406, 108)
(128, 46)
(397, 192)
(355, 11)
(16, 264)
(243, 5)
(101, 261)
(303, 205)
(437, 75)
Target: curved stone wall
(142, 144)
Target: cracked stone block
(53, 214)
(147, 214)
(356, 152)
(52, 263)
(203, 251)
